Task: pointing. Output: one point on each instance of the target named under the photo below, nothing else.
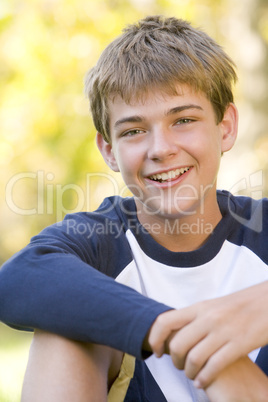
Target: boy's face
(168, 150)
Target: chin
(170, 211)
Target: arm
(241, 381)
(208, 336)
(52, 285)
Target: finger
(183, 341)
(222, 358)
(157, 338)
(198, 356)
(164, 326)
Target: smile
(168, 176)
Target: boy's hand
(205, 338)
(242, 381)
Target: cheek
(207, 154)
(206, 145)
(127, 166)
(128, 158)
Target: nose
(162, 145)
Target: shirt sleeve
(51, 285)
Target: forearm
(72, 299)
(241, 381)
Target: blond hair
(159, 52)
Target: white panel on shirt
(232, 269)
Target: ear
(229, 127)
(107, 152)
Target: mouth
(170, 175)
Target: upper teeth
(169, 175)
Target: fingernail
(197, 384)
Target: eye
(184, 120)
(131, 133)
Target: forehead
(156, 101)
(142, 96)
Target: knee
(59, 366)
(51, 349)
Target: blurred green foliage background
(49, 162)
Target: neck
(183, 233)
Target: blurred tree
(47, 137)
(49, 162)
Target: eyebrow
(178, 109)
(138, 119)
(129, 119)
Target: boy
(162, 104)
